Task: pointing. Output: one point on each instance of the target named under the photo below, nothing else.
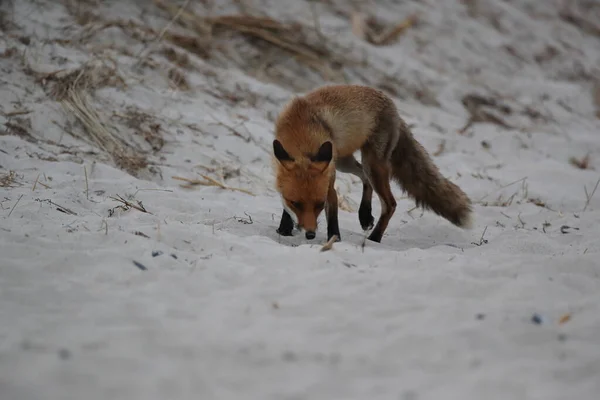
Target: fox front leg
(333, 227)
(286, 225)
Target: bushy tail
(416, 173)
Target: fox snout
(309, 225)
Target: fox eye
(319, 205)
(297, 205)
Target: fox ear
(325, 153)
(280, 152)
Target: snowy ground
(199, 297)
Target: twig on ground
(139, 265)
(148, 190)
(482, 241)
(545, 225)
(139, 206)
(87, 187)
(540, 203)
(37, 178)
(502, 187)
(16, 112)
(329, 245)
(246, 221)
(231, 129)
(589, 197)
(58, 207)
(565, 229)
(15, 205)
(521, 221)
(441, 148)
(105, 225)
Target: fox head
(303, 183)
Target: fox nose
(310, 235)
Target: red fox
(317, 134)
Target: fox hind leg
(350, 165)
(379, 174)
(365, 212)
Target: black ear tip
(325, 153)
(280, 152)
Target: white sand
(229, 310)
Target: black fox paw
(284, 232)
(366, 220)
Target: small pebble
(480, 316)
(174, 256)
(156, 253)
(536, 319)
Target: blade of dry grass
(162, 33)
(503, 187)
(209, 182)
(139, 206)
(589, 197)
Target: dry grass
(9, 180)
(294, 39)
(192, 44)
(19, 127)
(581, 163)
(143, 124)
(178, 79)
(89, 77)
(98, 133)
(583, 15)
(73, 90)
(177, 57)
(126, 205)
(483, 109)
(371, 30)
(208, 181)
